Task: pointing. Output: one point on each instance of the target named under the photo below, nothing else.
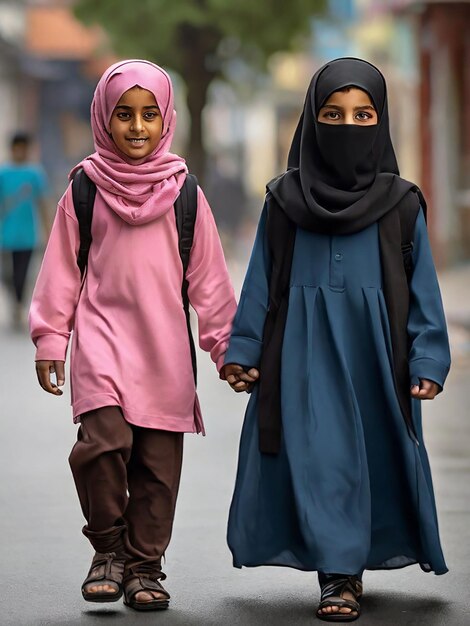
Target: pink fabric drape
(137, 194)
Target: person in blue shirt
(23, 214)
(339, 334)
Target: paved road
(44, 557)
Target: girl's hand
(426, 390)
(238, 379)
(44, 369)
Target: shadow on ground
(377, 608)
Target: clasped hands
(241, 380)
(238, 378)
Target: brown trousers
(127, 480)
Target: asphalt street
(44, 557)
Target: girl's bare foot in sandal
(101, 589)
(340, 597)
(104, 580)
(148, 596)
(143, 590)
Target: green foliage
(198, 39)
(166, 30)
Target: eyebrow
(337, 106)
(129, 108)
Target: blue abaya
(351, 488)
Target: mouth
(137, 142)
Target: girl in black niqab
(340, 316)
(341, 178)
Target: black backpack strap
(83, 193)
(185, 214)
(408, 210)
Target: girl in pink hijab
(132, 382)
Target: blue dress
(351, 488)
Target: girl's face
(349, 106)
(136, 123)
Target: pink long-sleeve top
(130, 344)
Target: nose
(137, 124)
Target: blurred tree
(196, 38)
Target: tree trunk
(198, 47)
(196, 100)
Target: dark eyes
(148, 115)
(335, 116)
(151, 115)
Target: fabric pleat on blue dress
(351, 488)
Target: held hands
(44, 369)
(238, 379)
(426, 390)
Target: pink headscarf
(138, 190)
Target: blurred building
(443, 49)
(11, 34)
(49, 64)
(48, 70)
(424, 50)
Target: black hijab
(340, 180)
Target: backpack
(84, 192)
(408, 211)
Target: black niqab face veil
(341, 178)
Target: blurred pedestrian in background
(23, 215)
(227, 197)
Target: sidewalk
(455, 288)
(40, 529)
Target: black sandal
(106, 569)
(141, 579)
(331, 595)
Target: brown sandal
(142, 579)
(332, 595)
(106, 569)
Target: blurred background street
(240, 72)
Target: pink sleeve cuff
(220, 359)
(52, 347)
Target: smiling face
(349, 106)
(136, 123)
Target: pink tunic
(130, 344)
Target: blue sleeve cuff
(244, 351)
(430, 369)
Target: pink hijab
(137, 190)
